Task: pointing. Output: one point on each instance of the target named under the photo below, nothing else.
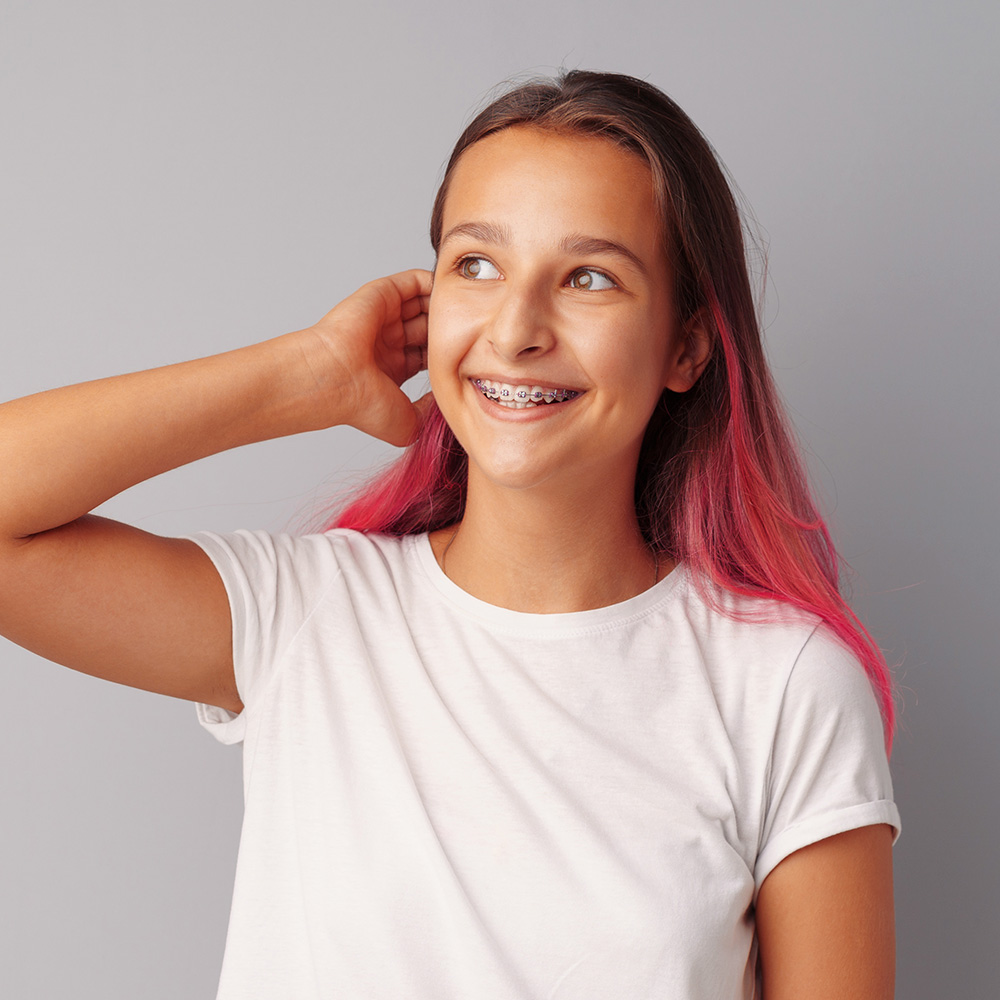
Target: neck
(548, 554)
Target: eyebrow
(577, 243)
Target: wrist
(301, 389)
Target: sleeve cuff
(819, 828)
(222, 724)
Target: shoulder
(803, 717)
(286, 589)
(261, 554)
(769, 635)
(743, 639)
(773, 668)
(286, 577)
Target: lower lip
(540, 411)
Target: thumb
(424, 405)
(420, 410)
(404, 421)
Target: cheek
(633, 355)
(444, 350)
(436, 339)
(448, 334)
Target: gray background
(182, 178)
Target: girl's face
(551, 288)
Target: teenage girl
(566, 703)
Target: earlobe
(694, 351)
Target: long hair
(720, 484)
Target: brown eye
(477, 269)
(589, 280)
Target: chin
(514, 470)
(510, 476)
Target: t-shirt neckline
(571, 622)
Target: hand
(370, 344)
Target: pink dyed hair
(720, 484)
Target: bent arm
(102, 597)
(67, 450)
(148, 611)
(825, 922)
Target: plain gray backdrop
(183, 178)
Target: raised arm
(148, 611)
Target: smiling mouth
(520, 396)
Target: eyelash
(462, 261)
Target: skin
(151, 612)
(825, 921)
(572, 291)
(552, 487)
(824, 914)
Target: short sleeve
(273, 583)
(829, 772)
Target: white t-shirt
(446, 799)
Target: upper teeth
(522, 395)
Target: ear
(691, 353)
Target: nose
(523, 324)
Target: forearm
(66, 451)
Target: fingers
(415, 307)
(411, 292)
(415, 331)
(419, 280)
(415, 360)
(383, 323)
(413, 288)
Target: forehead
(539, 182)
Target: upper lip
(545, 383)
